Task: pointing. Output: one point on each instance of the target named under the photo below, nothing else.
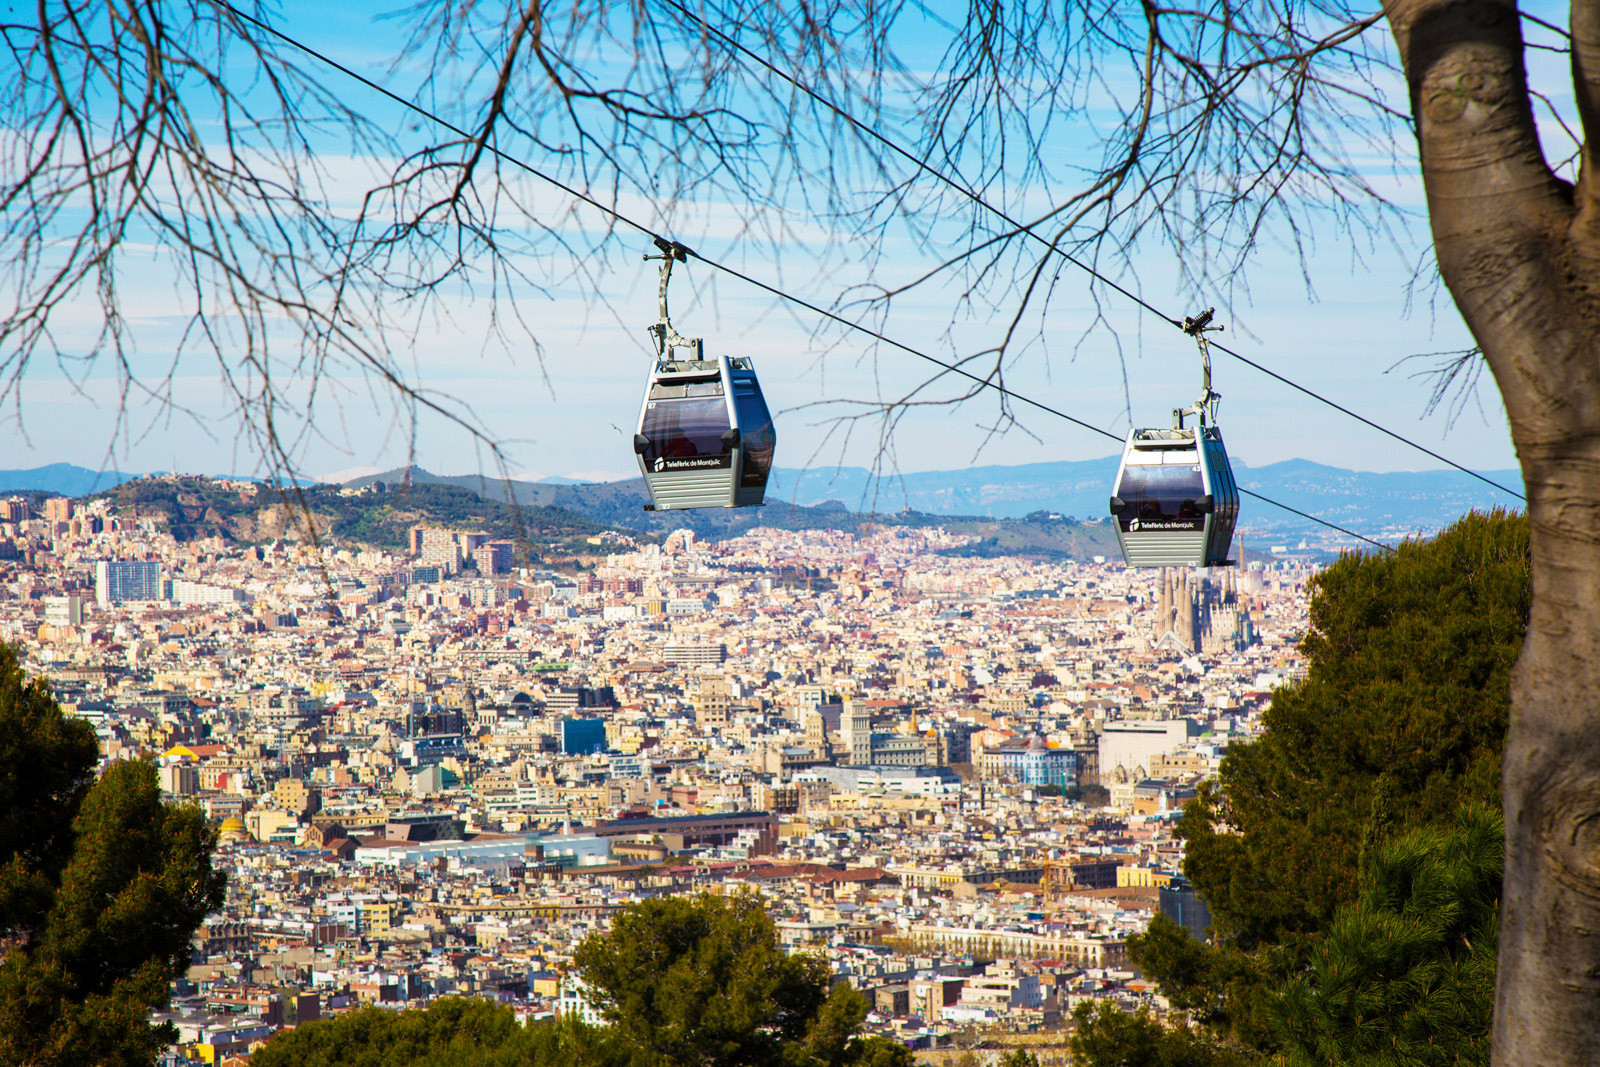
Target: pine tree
(699, 980)
(1106, 1036)
(102, 884)
(450, 1032)
(1401, 720)
(1402, 715)
(703, 981)
(1405, 976)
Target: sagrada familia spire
(1202, 614)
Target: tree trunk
(1519, 250)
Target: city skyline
(407, 748)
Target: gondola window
(687, 433)
(760, 439)
(1162, 497)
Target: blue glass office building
(1181, 904)
(581, 737)
(119, 580)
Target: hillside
(1392, 504)
(620, 505)
(192, 507)
(380, 511)
(1021, 510)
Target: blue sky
(570, 413)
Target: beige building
(711, 703)
(293, 796)
(180, 779)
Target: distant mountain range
(1362, 500)
(61, 479)
(1388, 505)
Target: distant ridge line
(1399, 502)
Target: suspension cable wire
(1055, 247)
(983, 382)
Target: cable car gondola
(705, 437)
(1175, 500)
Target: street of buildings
(434, 773)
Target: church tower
(858, 728)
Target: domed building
(233, 830)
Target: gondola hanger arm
(662, 332)
(1197, 326)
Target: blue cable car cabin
(705, 438)
(1175, 501)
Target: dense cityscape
(434, 772)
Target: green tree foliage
(698, 981)
(101, 886)
(1402, 715)
(1104, 1035)
(1400, 721)
(1218, 986)
(47, 765)
(703, 981)
(194, 507)
(451, 1032)
(880, 1052)
(1405, 976)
